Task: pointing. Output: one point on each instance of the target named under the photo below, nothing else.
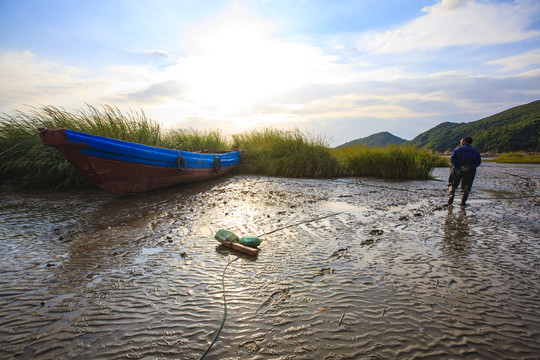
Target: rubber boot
(464, 197)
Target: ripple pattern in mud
(348, 269)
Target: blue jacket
(466, 155)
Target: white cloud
(517, 62)
(154, 53)
(155, 93)
(235, 61)
(447, 5)
(237, 74)
(458, 22)
(26, 78)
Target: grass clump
(271, 152)
(518, 158)
(33, 165)
(389, 162)
(195, 140)
(286, 153)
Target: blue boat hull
(126, 168)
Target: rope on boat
(224, 311)
(22, 142)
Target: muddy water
(348, 269)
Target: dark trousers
(457, 177)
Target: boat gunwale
(121, 150)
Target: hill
(515, 129)
(378, 139)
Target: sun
(235, 62)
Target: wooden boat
(126, 168)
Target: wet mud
(353, 268)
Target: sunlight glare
(237, 63)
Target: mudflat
(348, 268)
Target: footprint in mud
(370, 242)
(325, 271)
(339, 253)
(251, 346)
(274, 300)
(367, 242)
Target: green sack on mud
(251, 241)
(226, 235)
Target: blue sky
(336, 68)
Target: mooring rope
(302, 222)
(224, 311)
(268, 233)
(444, 191)
(229, 263)
(22, 142)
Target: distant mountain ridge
(378, 139)
(515, 129)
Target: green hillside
(378, 139)
(515, 129)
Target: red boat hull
(122, 177)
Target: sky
(335, 69)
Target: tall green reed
(286, 153)
(271, 152)
(32, 164)
(195, 140)
(390, 162)
(518, 158)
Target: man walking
(465, 159)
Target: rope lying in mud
(224, 311)
(507, 198)
(477, 198)
(22, 142)
(224, 270)
(301, 222)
